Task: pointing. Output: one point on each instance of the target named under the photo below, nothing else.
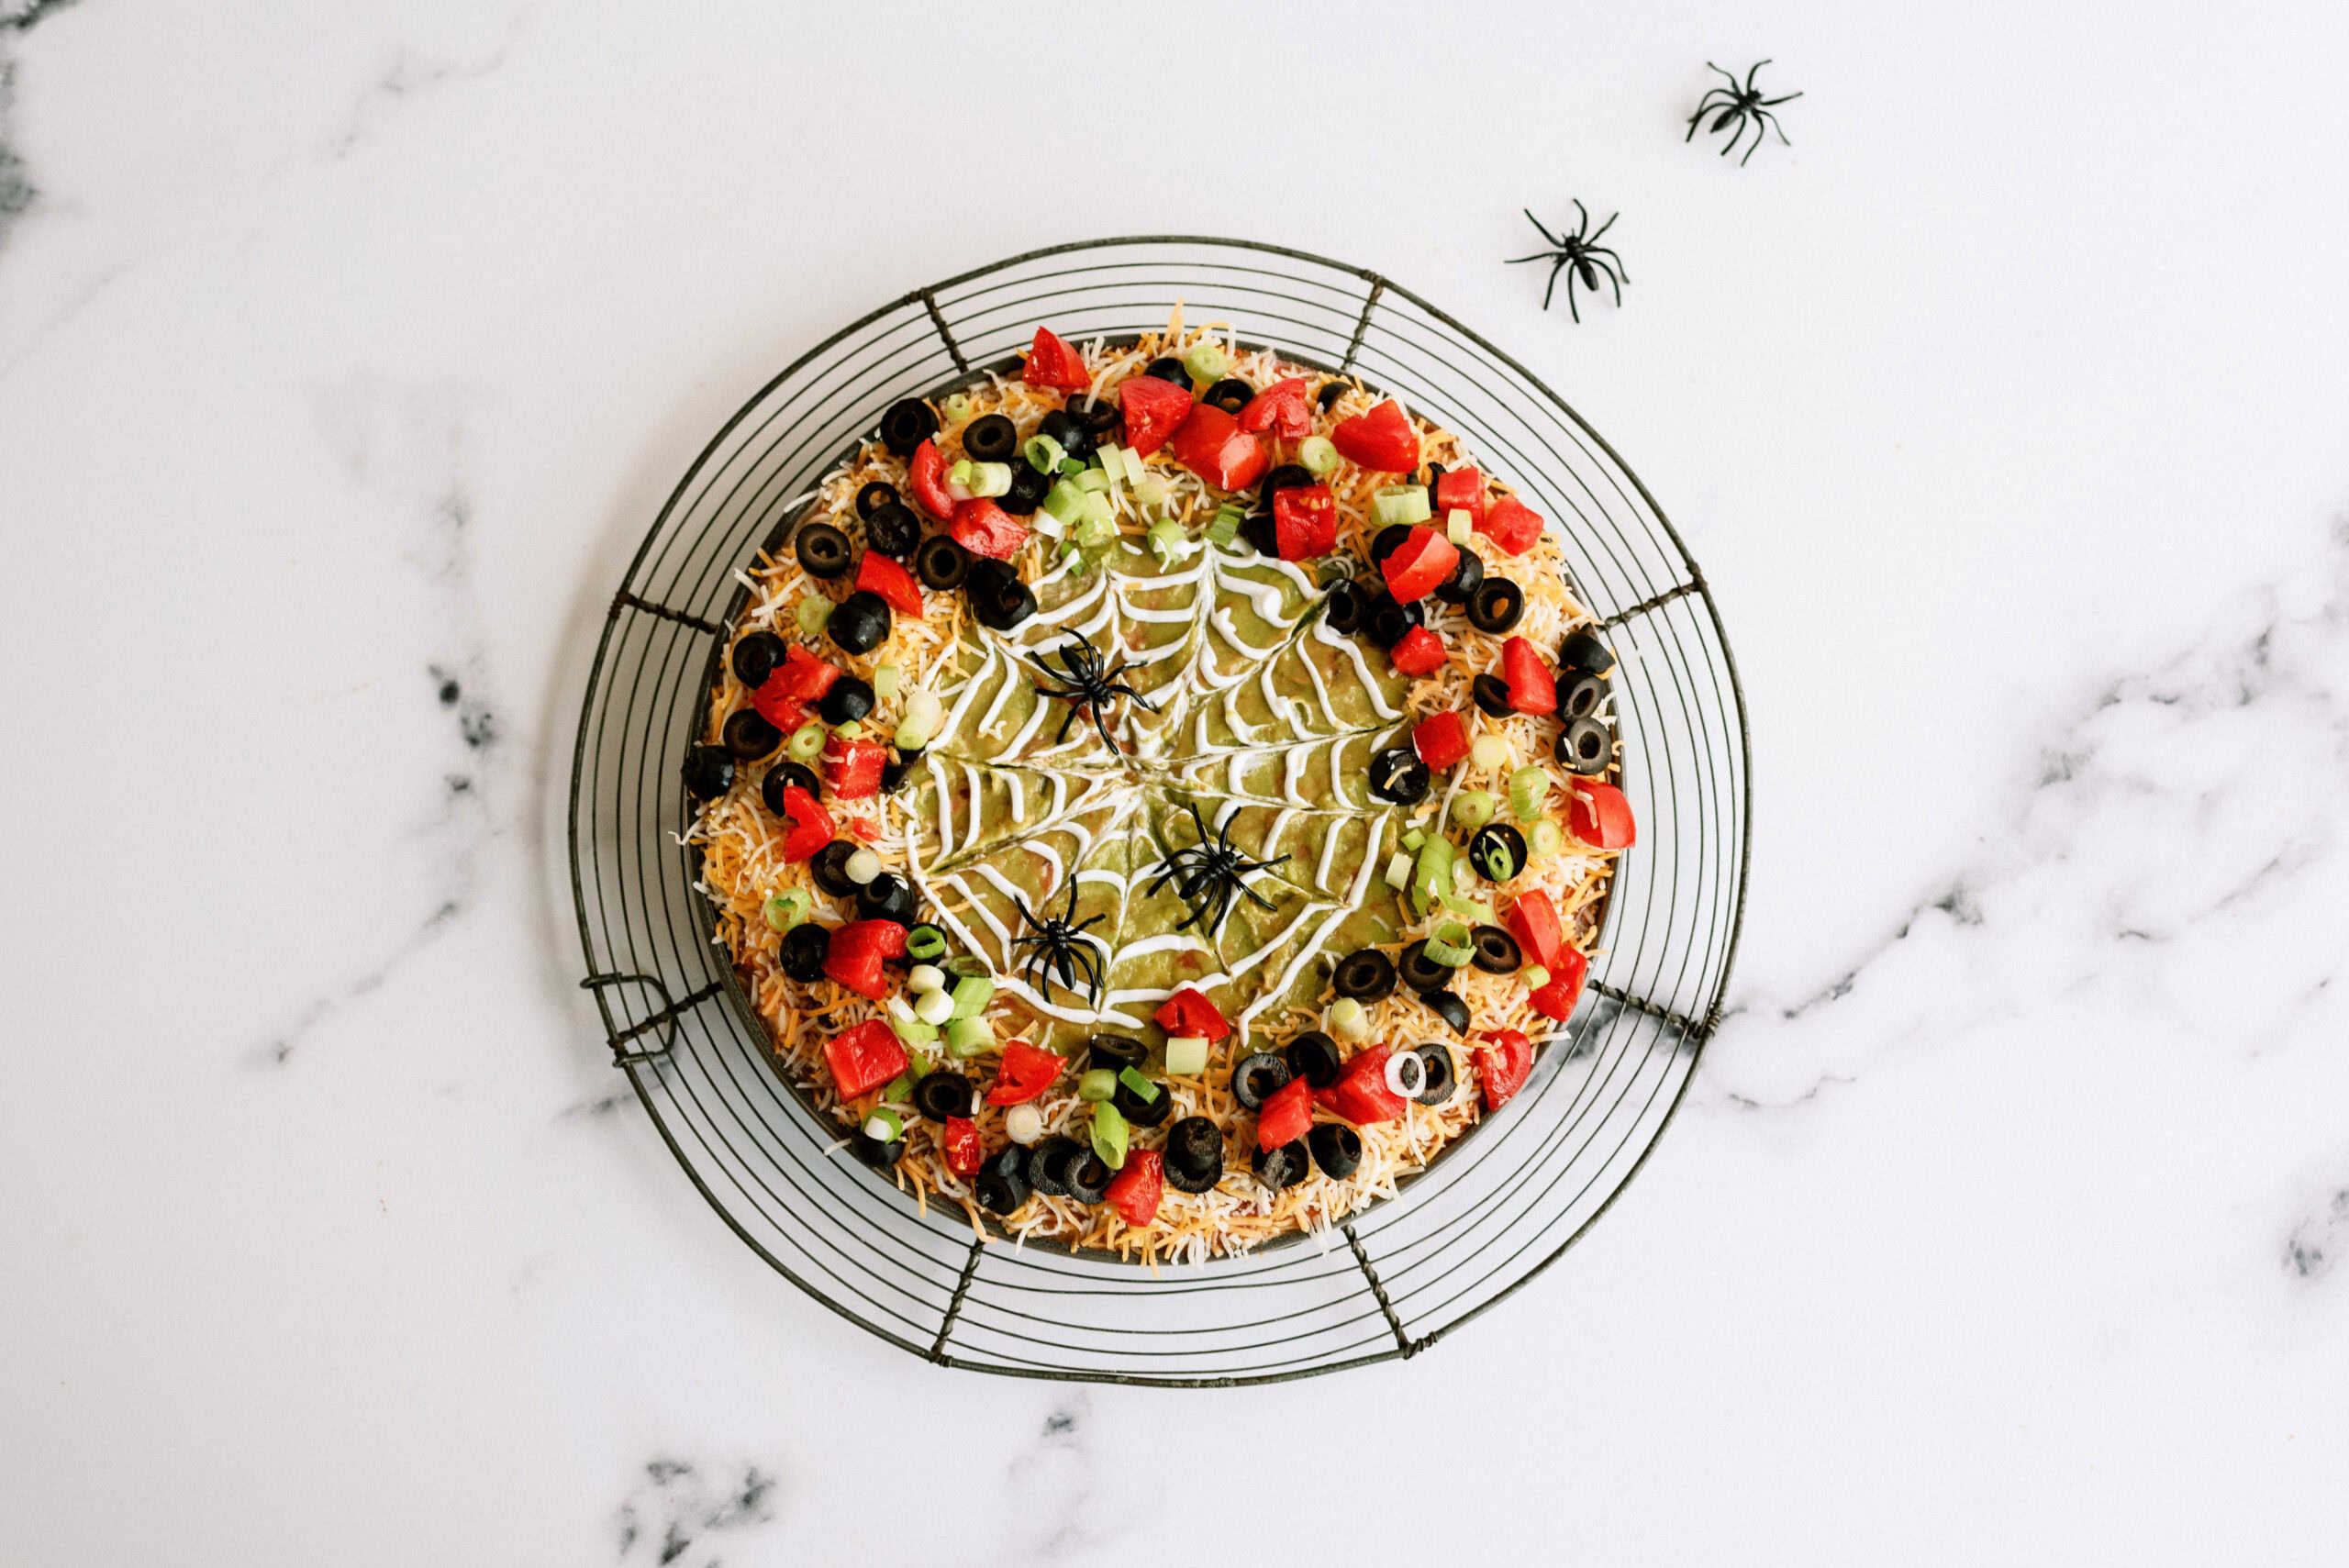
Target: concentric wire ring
(1480, 1223)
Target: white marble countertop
(346, 354)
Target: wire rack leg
(1644, 606)
(1362, 322)
(1378, 1292)
(1694, 1028)
(954, 1307)
(930, 303)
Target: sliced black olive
(1281, 1167)
(941, 562)
(1141, 1112)
(748, 736)
(1169, 370)
(874, 1153)
(805, 947)
(1390, 539)
(1194, 1155)
(1419, 972)
(893, 772)
(1492, 695)
(1366, 974)
(1002, 1183)
(1258, 1078)
(874, 496)
(1262, 536)
(823, 549)
(1495, 605)
(848, 700)
(1388, 621)
(1442, 1079)
(1584, 652)
(1450, 1008)
(1048, 1163)
(782, 776)
(1584, 746)
(1100, 418)
(1287, 476)
(1397, 775)
(1467, 577)
(1579, 695)
(830, 868)
(709, 772)
(1027, 491)
(1115, 1050)
(990, 437)
(907, 424)
(1230, 394)
(859, 623)
(1313, 1056)
(757, 656)
(1086, 1177)
(1068, 430)
(1345, 606)
(1498, 852)
(998, 598)
(1327, 396)
(1497, 951)
(886, 897)
(942, 1094)
(1336, 1147)
(894, 531)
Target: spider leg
(1603, 229)
(1734, 135)
(1541, 228)
(1552, 285)
(1705, 106)
(1582, 230)
(1066, 719)
(1760, 136)
(1570, 296)
(1618, 267)
(1774, 102)
(1088, 921)
(1772, 120)
(1752, 73)
(1733, 79)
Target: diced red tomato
(1503, 1066)
(799, 679)
(964, 1152)
(863, 1057)
(1511, 525)
(1460, 490)
(1417, 651)
(862, 829)
(852, 768)
(1283, 409)
(1187, 1013)
(1534, 922)
(857, 952)
(807, 826)
(1599, 816)
(1026, 1071)
(1382, 439)
(926, 477)
(1134, 1191)
(1212, 445)
(984, 529)
(1419, 565)
(1305, 521)
(1054, 364)
(891, 581)
(1533, 688)
(1360, 1094)
(1154, 410)
(1557, 1000)
(1286, 1116)
(1441, 739)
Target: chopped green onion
(910, 736)
(956, 407)
(1348, 1020)
(925, 709)
(1065, 501)
(787, 908)
(1071, 467)
(852, 730)
(1098, 508)
(1151, 490)
(1490, 752)
(1206, 361)
(972, 994)
(882, 1125)
(935, 1007)
(924, 976)
(1547, 839)
(1164, 534)
(1144, 1090)
(1470, 909)
(1110, 1135)
(1043, 453)
(1186, 1055)
(1472, 808)
(926, 942)
(1399, 871)
(1495, 859)
(1113, 460)
(1096, 1083)
(965, 966)
(900, 1087)
(1094, 532)
(1023, 1124)
(807, 742)
(1529, 790)
(885, 683)
(989, 479)
(1464, 875)
(899, 1007)
(1433, 876)
(1414, 839)
(862, 866)
(1535, 976)
(917, 1063)
(1456, 524)
(968, 1037)
(1093, 479)
(1394, 504)
(1320, 456)
(813, 612)
(1226, 526)
(913, 1031)
(1450, 945)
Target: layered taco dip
(1158, 796)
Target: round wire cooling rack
(1480, 1223)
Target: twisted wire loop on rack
(1484, 1219)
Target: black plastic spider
(1061, 950)
(1090, 686)
(1741, 106)
(1576, 250)
(1208, 874)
